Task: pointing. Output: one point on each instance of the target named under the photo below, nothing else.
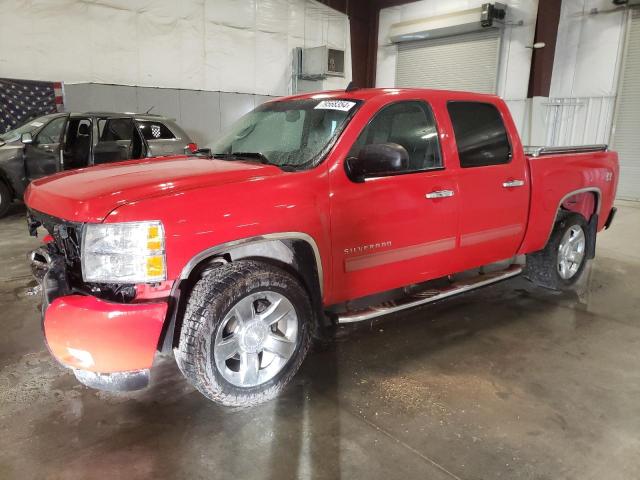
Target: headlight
(123, 252)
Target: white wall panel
(231, 58)
(114, 36)
(228, 45)
(161, 101)
(588, 49)
(272, 16)
(233, 13)
(200, 115)
(233, 106)
(112, 98)
(272, 68)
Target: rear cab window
(481, 136)
(154, 130)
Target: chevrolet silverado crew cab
(66, 141)
(313, 210)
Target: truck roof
(369, 93)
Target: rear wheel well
(585, 203)
(296, 257)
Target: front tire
(561, 263)
(245, 333)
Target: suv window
(115, 129)
(480, 134)
(52, 132)
(155, 131)
(410, 124)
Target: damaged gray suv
(67, 141)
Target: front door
(493, 181)
(396, 230)
(42, 156)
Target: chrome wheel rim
(571, 252)
(256, 339)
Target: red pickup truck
(313, 210)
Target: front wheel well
(294, 256)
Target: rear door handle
(513, 183)
(439, 194)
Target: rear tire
(6, 197)
(245, 333)
(561, 263)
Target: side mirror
(377, 160)
(26, 138)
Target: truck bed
(558, 173)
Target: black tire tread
(541, 266)
(215, 292)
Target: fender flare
(173, 324)
(598, 195)
(244, 242)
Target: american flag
(23, 100)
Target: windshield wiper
(244, 156)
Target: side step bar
(429, 296)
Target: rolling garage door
(462, 62)
(626, 136)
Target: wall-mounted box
(322, 62)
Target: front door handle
(439, 194)
(513, 183)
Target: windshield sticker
(341, 105)
(36, 124)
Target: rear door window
(155, 130)
(116, 129)
(480, 134)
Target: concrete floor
(507, 382)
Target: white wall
(587, 50)
(217, 45)
(584, 83)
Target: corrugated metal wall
(462, 62)
(201, 113)
(578, 120)
(626, 136)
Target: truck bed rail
(534, 151)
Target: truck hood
(89, 194)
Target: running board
(429, 296)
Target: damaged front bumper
(109, 345)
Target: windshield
(293, 134)
(30, 127)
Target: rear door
(118, 140)
(42, 157)
(493, 181)
(160, 139)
